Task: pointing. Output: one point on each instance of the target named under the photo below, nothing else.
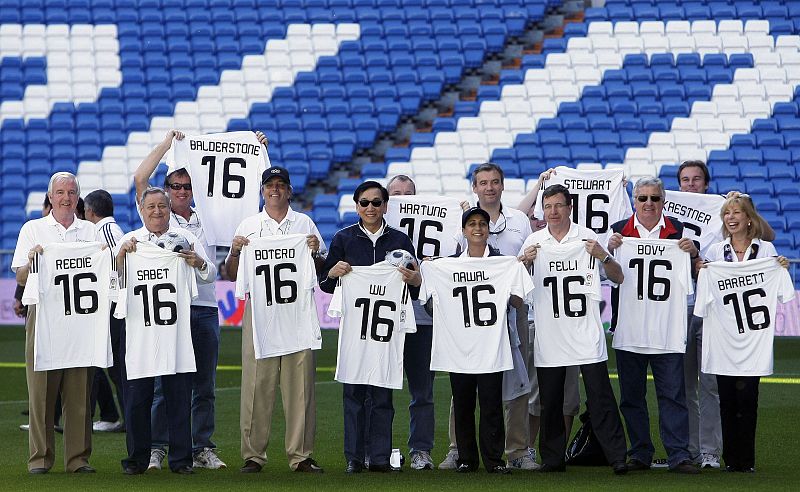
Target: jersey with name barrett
(738, 303)
(700, 215)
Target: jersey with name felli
(157, 291)
(737, 301)
(278, 273)
(651, 311)
(375, 306)
(72, 285)
(432, 222)
(566, 308)
(470, 305)
(226, 172)
(700, 215)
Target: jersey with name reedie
(737, 302)
(651, 313)
(226, 173)
(278, 273)
(375, 306)
(72, 285)
(699, 213)
(157, 291)
(566, 309)
(470, 305)
(432, 222)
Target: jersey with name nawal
(278, 273)
(225, 169)
(432, 222)
(376, 313)
(73, 285)
(700, 215)
(157, 290)
(470, 307)
(566, 302)
(652, 311)
(738, 302)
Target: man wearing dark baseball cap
(275, 172)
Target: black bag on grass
(584, 450)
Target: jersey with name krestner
(652, 311)
(432, 222)
(376, 313)
(157, 291)
(470, 306)
(737, 302)
(278, 273)
(700, 215)
(73, 285)
(226, 170)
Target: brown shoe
(308, 465)
(636, 465)
(250, 466)
(685, 467)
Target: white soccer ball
(173, 241)
(401, 257)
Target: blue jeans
(205, 340)
(417, 363)
(360, 428)
(673, 416)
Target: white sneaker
(156, 457)
(450, 461)
(525, 462)
(103, 426)
(710, 461)
(207, 458)
(660, 463)
(421, 460)
(24, 427)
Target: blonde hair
(755, 225)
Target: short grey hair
(63, 176)
(648, 181)
(154, 190)
(402, 178)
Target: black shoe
(545, 468)
(619, 467)
(384, 468)
(730, 469)
(308, 465)
(636, 465)
(85, 469)
(184, 470)
(465, 468)
(132, 470)
(686, 467)
(747, 469)
(354, 467)
(501, 470)
(250, 466)
(38, 471)
(25, 412)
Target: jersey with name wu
(226, 171)
(278, 273)
(651, 313)
(700, 215)
(432, 222)
(376, 313)
(73, 285)
(737, 302)
(566, 309)
(157, 290)
(470, 304)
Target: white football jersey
(72, 285)
(278, 273)
(376, 313)
(737, 302)
(700, 215)
(470, 305)
(651, 310)
(157, 291)
(432, 222)
(226, 173)
(566, 302)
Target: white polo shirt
(47, 230)
(261, 224)
(644, 233)
(507, 233)
(206, 293)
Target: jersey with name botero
(651, 310)
(470, 304)
(598, 197)
(72, 284)
(737, 301)
(226, 173)
(375, 306)
(432, 222)
(278, 273)
(566, 309)
(699, 213)
(157, 291)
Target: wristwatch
(606, 259)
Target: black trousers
(603, 413)
(102, 394)
(489, 391)
(738, 409)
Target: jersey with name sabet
(432, 222)
(651, 312)
(738, 302)
(375, 306)
(157, 290)
(73, 285)
(470, 305)
(278, 273)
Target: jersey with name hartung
(72, 285)
(566, 309)
(432, 222)
(651, 311)
(737, 302)
(226, 172)
(470, 305)
(278, 273)
(376, 313)
(700, 215)
(157, 290)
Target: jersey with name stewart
(225, 170)
(376, 313)
(157, 291)
(73, 285)
(700, 215)
(651, 312)
(738, 303)
(470, 307)
(432, 222)
(278, 273)
(566, 308)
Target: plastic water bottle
(394, 459)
